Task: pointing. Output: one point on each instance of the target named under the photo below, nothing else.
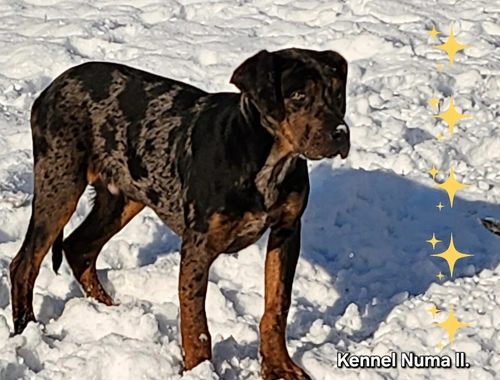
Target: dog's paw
(286, 370)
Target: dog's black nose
(341, 140)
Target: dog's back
(119, 125)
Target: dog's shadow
(368, 231)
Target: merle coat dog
(219, 169)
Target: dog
(219, 169)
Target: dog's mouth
(316, 153)
(342, 151)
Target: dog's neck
(272, 174)
(280, 160)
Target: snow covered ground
(365, 279)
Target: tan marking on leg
(89, 279)
(109, 215)
(281, 261)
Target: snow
(365, 279)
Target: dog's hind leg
(58, 184)
(109, 215)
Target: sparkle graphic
(433, 241)
(451, 325)
(451, 47)
(433, 102)
(451, 185)
(451, 255)
(433, 172)
(434, 310)
(433, 32)
(451, 116)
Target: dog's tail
(491, 225)
(57, 251)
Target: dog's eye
(298, 96)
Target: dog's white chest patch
(268, 179)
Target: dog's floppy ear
(257, 77)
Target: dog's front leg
(282, 256)
(193, 280)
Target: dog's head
(301, 95)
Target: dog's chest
(236, 233)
